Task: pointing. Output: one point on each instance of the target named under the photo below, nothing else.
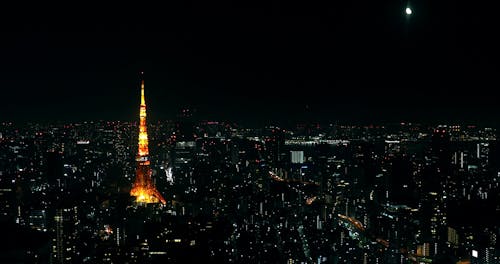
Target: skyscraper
(65, 226)
(143, 188)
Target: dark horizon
(358, 62)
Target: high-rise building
(57, 242)
(297, 157)
(144, 189)
(452, 237)
(54, 169)
(63, 246)
(184, 126)
(437, 173)
(441, 150)
(38, 220)
(7, 202)
(401, 182)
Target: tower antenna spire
(143, 99)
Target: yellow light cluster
(143, 188)
(144, 195)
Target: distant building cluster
(314, 193)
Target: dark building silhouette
(367, 177)
(441, 149)
(54, 168)
(438, 171)
(184, 125)
(494, 156)
(401, 184)
(275, 144)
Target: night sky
(349, 61)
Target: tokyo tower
(143, 188)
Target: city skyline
(292, 132)
(401, 193)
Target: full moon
(408, 11)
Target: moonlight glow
(408, 11)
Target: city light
(354, 134)
(312, 194)
(143, 188)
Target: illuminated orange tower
(144, 189)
